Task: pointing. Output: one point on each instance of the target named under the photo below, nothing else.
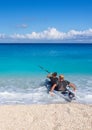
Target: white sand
(46, 117)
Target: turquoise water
(63, 58)
(22, 80)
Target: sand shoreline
(70, 116)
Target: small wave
(33, 91)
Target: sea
(24, 69)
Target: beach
(69, 116)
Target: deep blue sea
(22, 80)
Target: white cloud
(53, 34)
(2, 36)
(17, 36)
(22, 26)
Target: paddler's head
(54, 74)
(61, 77)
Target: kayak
(64, 95)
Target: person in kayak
(61, 85)
(53, 79)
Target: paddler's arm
(52, 89)
(72, 86)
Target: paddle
(44, 69)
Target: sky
(33, 21)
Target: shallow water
(33, 91)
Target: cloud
(2, 36)
(52, 34)
(22, 26)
